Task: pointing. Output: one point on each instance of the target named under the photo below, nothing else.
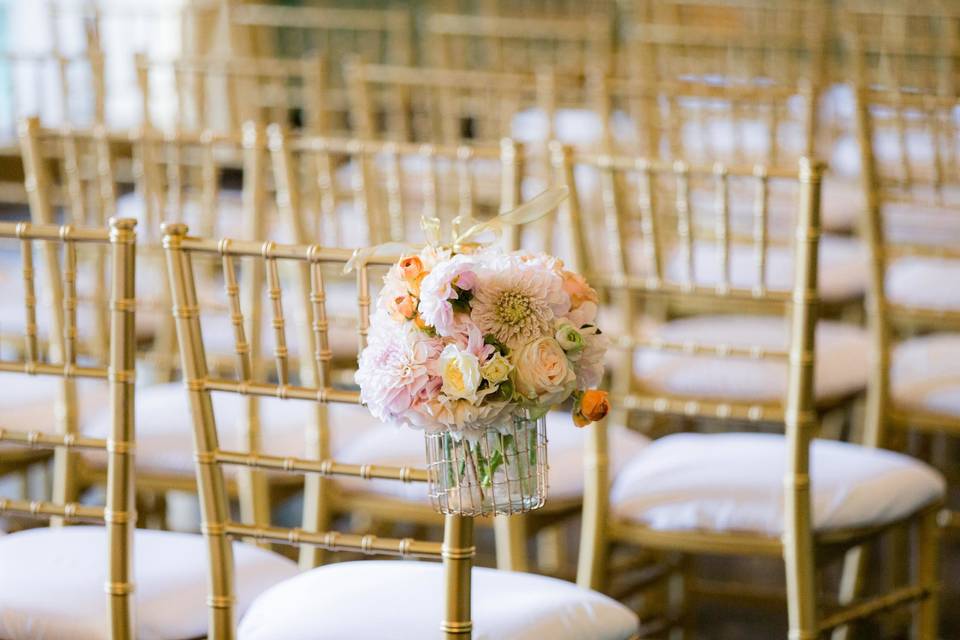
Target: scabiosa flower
(516, 300)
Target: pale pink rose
(542, 372)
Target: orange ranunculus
(410, 268)
(594, 405)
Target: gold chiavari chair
(65, 363)
(84, 581)
(375, 35)
(734, 123)
(220, 93)
(519, 44)
(906, 115)
(178, 176)
(720, 493)
(351, 599)
(449, 186)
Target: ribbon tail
(536, 208)
(361, 255)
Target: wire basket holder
(503, 470)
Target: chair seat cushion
(52, 583)
(734, 482)
(28, 403)
(402, 446)
(841, 360)
(924, 282)
(842, 270)
(925, 373)
(165, 427)
(400, 600)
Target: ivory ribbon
(536, 208)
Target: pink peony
(398, 371)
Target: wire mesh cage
(502, 471)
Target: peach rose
(410, 268)
(543, 372)
(583, 299)
(594, 405)
(405, 306)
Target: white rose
(543, 372)
(496, 370)
(460, 372)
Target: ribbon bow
(530, 211)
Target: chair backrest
(901, 43)
(731, 39)
(61, 89)
(309, 265)
(638, 231)
(358, 192)
(58, 247)
(82, 175)
(519, 44)
(222, 92)
(907, 128)
(436, 105)
(374, 35)
(703, 121)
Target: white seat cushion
(51, 583)
(925, 373)
(165, 428)
(28, 403)
(402, 446)
(400, 600)
(924, 282)
(229, 212)
(734, 482)
(842, 269)
(841, 359)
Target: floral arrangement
(463, 341)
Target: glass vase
(501, 470)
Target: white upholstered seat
(165, 428)
(841, 359)
(392, 445)
(52, 583)
(28, 403)
(924, 282)
(925, 373)
(404, 600)
(734, 482)
(842, 269)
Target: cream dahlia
(516, 300)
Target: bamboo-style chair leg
(65, 486)
(316, 517)
(510, 534)
(551, 549)
(681, 600)
(851, 582)
(927, 617)
(254, 498)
